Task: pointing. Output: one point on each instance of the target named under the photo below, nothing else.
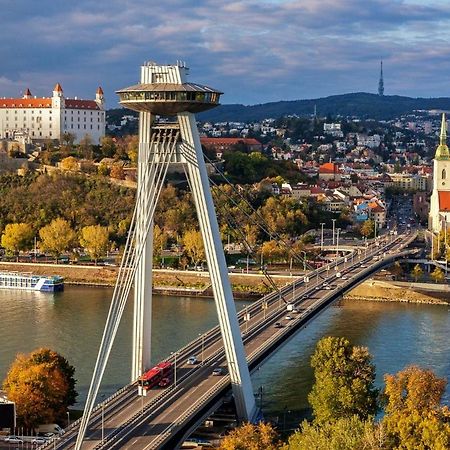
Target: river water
(72, 322)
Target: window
(444, 174)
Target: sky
(255, 51)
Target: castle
(48, 118)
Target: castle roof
(100, 91)
(57, 88)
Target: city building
(329, 171)
(220, 145)
(44, 118)
(439, 217)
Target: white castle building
(50, 117)
(439, 217)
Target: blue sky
(255, 51)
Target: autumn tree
(117, 172)
(252, 437)
(69, 163)
(42, 385)
(159, 241)
(17, 237)
(438, 275)
(396, 270)
(193, 246)
(271, 251)
(85, 147)
(344, 381)
(414, 416)
(95, 240)
(108, 146)
(367, 228)
(57, 237)
(417, 272)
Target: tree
(108, 146)
(438, 275)
(42, 385)
(95, 240)
(344, 381)
(69, 163)
(17, 237)
(271, 251)
(251, 437)
(193, 246)
(57, 237)
(396, 270)
(117, 172)
(159, 241)
(368, 228)
(417, 272)
(346, 433)
(414, 417)
(85, 147)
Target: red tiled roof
(328, 168)
(25, 102)
(46, 103)
(81, 104)
(228, 141)
(444, 200)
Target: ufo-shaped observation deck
(168, 99)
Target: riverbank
(398, 291)
(165, 282)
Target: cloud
(254, 50)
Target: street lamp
(337, 244)
(334, 221)
(174, 368)
(304, 260)
(321, 236)
(203, 346)
(68, 419)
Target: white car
(192, 360)
(289, 318)
(14, 439)
(39, 440)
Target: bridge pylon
(168, 135)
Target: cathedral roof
(444, 200)
(442, 151)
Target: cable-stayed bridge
(163, 418)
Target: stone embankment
(398, 291)
(169, 282)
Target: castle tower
(381, 82)
(58, 97)
(100, 97)
(27, 94)
(440, 197)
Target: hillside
(362, 105)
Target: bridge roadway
(165, 416)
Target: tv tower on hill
(381, 82)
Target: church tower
(440, 197)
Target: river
(72, 322)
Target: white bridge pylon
(163, 91)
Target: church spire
(442, 152)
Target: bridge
(165, 417)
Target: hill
(360, 104)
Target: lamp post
(304, 260)
(321, 236)
(334, 221)
(203, 346)
(68, 419)
(337, 244)
(174, 368)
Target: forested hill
(358, 104)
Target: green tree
(108, 146)
(346, 433)
(42, 385)
(344, 381)
(57, 237)
(251, 437)
(17, 237)
(414, 416)
(417, 272)
(193, 246)
(95, 240)
(438, 275)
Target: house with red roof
(329, 171)
(44, 118)
(221, 144)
